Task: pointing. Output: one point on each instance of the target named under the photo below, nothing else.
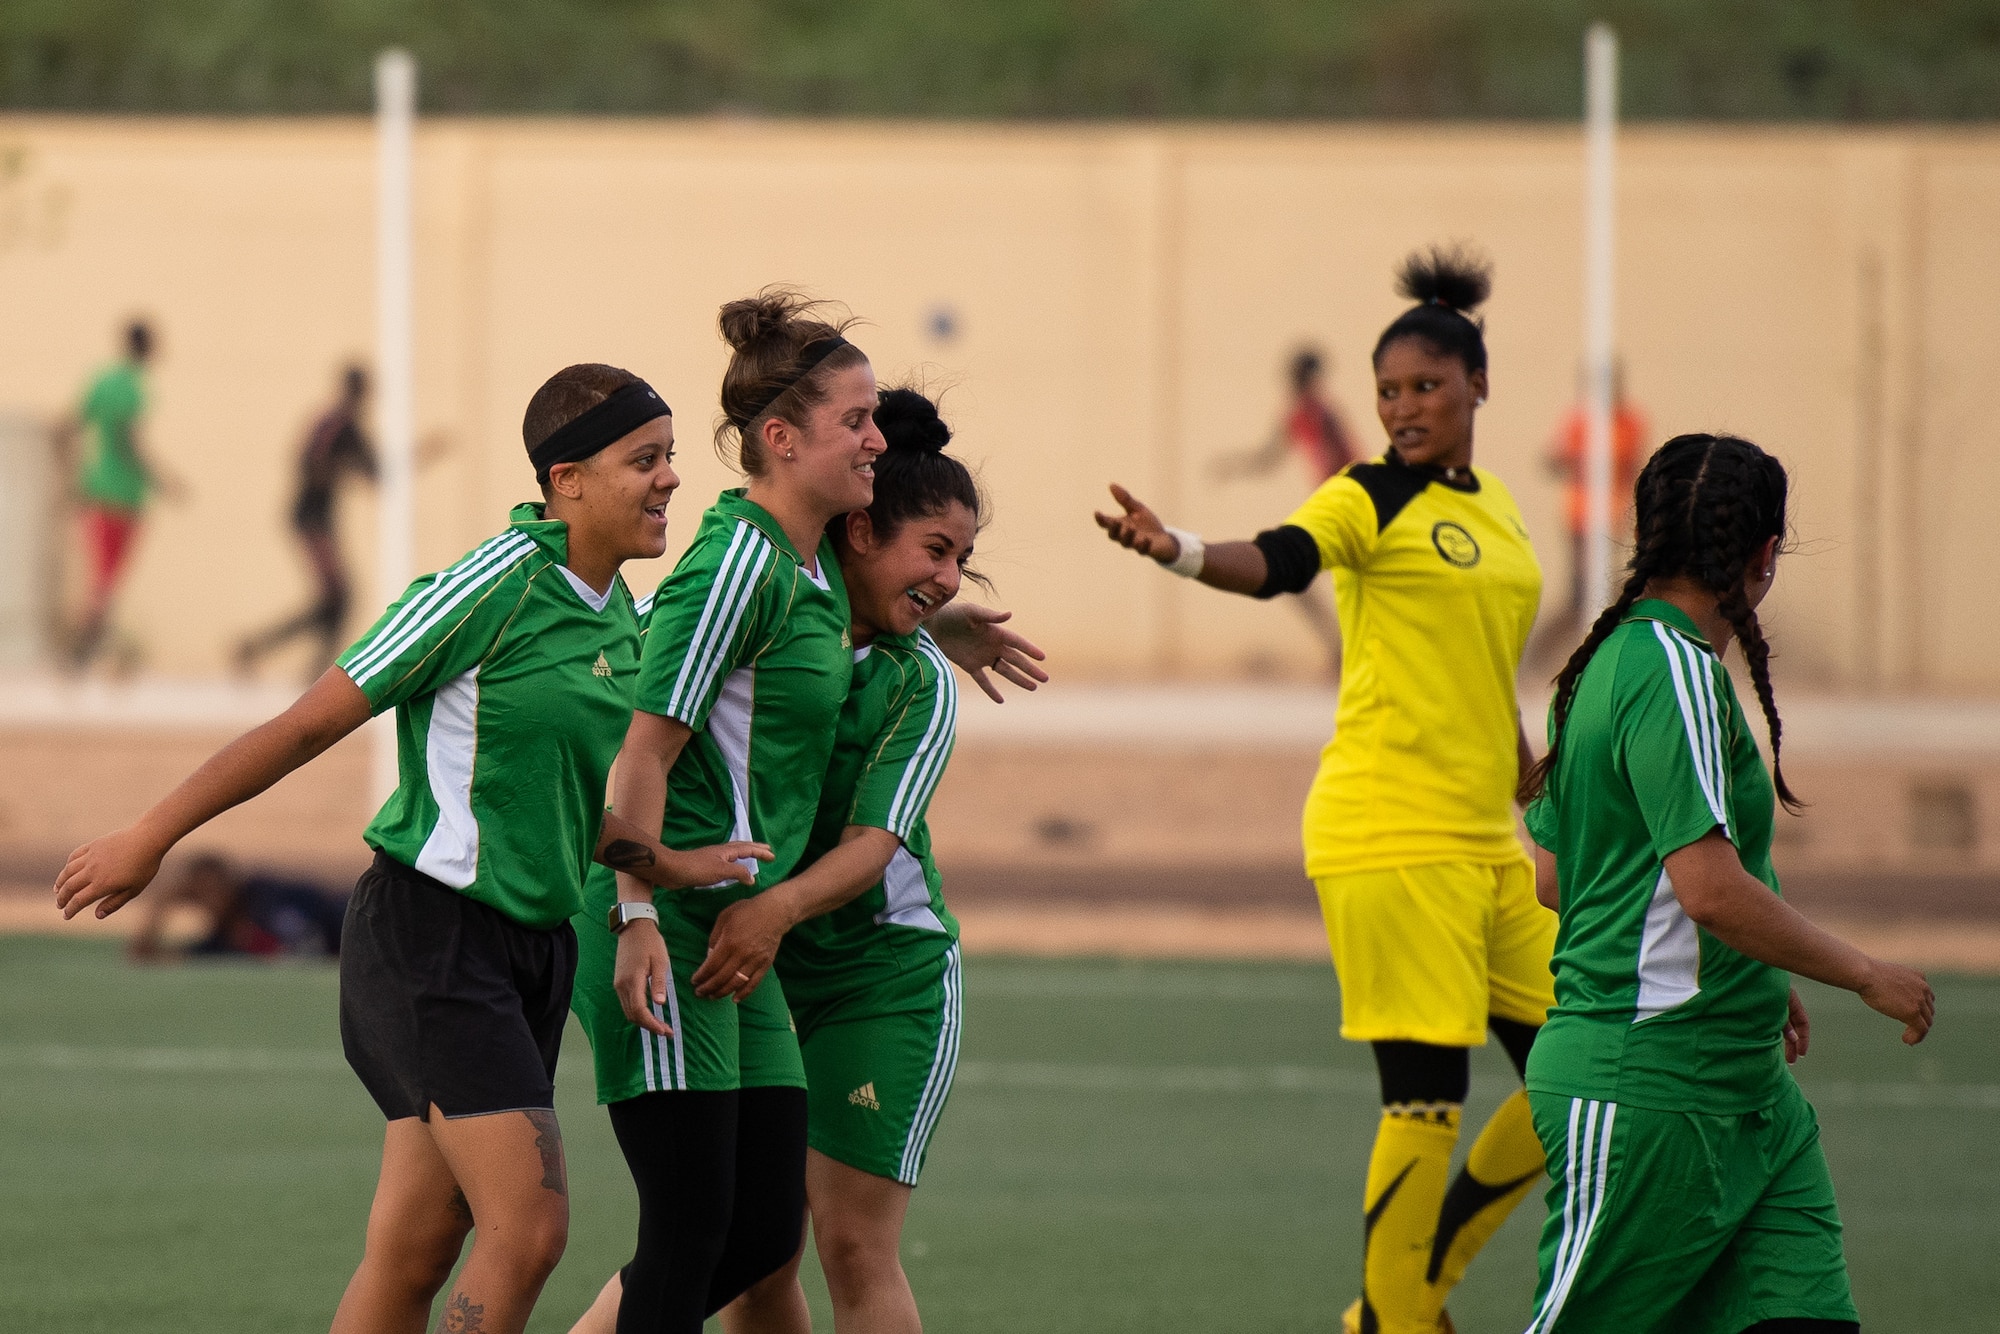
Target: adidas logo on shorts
(600, 667)
(865, 1097)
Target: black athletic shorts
(446, 1001)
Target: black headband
(808, 360)
(628, 408)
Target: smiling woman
(510, 674)
(746, 666)
(1409, 827)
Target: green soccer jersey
(111, 474)
(748, 647)
(512, 684)
(895, 737)
(1650, 1009)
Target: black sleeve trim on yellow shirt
(1291, 559)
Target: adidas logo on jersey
(865, 1097)
(600, 667)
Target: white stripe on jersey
(414, 606)
(450, 854)
(716, 594)
(728, 597)
(1669, 968)
(925, 768)
(752, 565)
(439, 600)
(644, 604)
(1697, 716)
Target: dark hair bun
(1454, 276)
(908, 420)
(754, 318)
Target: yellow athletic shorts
(1427, 953)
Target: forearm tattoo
(462, 1315)
(622, 854)
(548, 1139)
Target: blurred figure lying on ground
(248, 913)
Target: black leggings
(722, 1199)
(1425, 1072)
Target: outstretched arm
(626, 848)
(746, 934)
(1740, 911)
(1233, 567)
(110, 871)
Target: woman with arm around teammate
(1688, 1191)
(746, 669)
(511, 675)
(869, 954)
(1409, 828)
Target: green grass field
(1160, 1146)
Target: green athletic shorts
(879, 1065)
(1683, 1222)
(716, 1045)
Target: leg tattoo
(548, 1139)
(462, 1315)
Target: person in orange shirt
(1566, 459)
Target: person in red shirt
(1312, 429)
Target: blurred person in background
(334, 447)
(1314, 431)
(114, 478)
(248, 912)
(1567, 460)
(1409, 829)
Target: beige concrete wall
(1124, 299)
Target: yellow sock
(1503, 1166)
(1406, 1186)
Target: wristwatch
(624, 914)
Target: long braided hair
(1705, 503)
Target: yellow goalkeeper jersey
(1437, 587)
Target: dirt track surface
(1049, 846)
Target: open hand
(108, 872)
(1903, 995)
(972, 637)
(1139, 528)
(741, 947)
